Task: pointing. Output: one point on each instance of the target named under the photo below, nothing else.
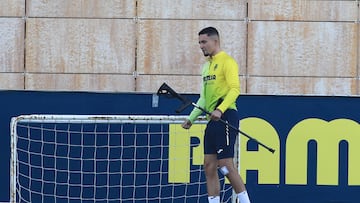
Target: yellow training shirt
(220, 76)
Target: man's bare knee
(210, 169)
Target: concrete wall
(282, 47)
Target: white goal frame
(83, 119)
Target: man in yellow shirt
(220, 89)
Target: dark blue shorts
(219, 138)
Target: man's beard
(206, 54)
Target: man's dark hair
(210, 31)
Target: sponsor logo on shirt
(209, 77)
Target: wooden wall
(282, 47)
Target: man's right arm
(195, 113)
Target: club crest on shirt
(215, 67)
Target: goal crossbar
(151, 119)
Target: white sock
(243, 197)
(214, 199)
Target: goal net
(97, 158)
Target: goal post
(108, 158)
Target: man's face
(208, 44)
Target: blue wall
(282, 112)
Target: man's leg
(232, 174)
(212, 178)
(228, 168)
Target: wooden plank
(301, 86)
(80, 45)
(180, 83)
(82, 8)
(11, 81)
(188, 9)
(358, 59)
(302, 49)
(171, 46)
(301, 10)
(13, 8)
(80, 82)
(12, 45)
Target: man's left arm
(231, 73)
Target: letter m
(327, 135)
